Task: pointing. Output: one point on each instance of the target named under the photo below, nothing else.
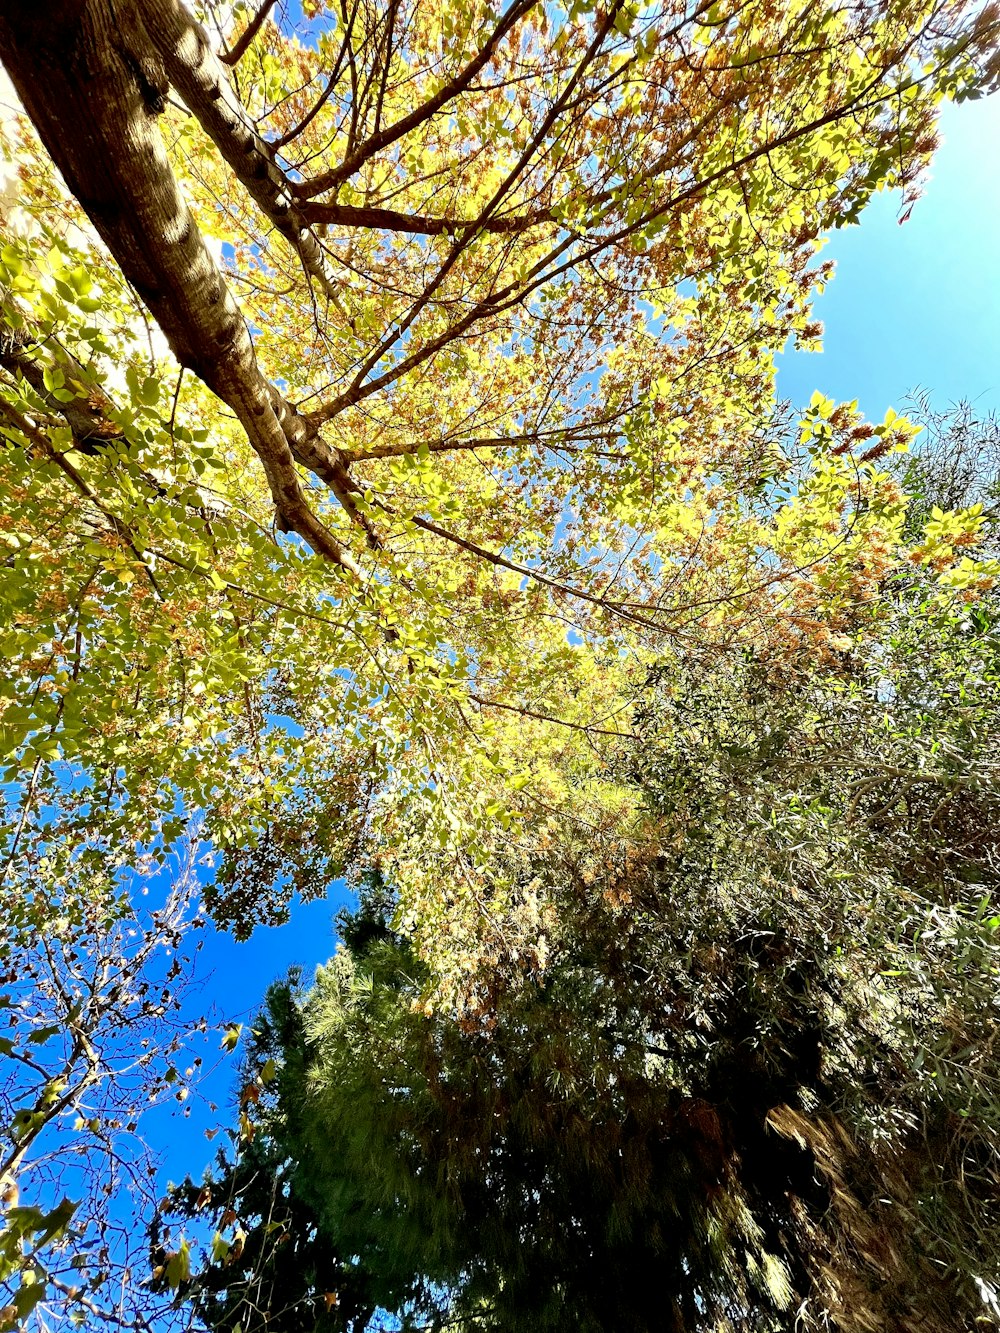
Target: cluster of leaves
(148, 604)
(753, 1084)
(138, 616)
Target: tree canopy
(753, 1086)
(746, 1080)
(394, 477)
(463, 401)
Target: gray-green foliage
(849, 835)
(954, 462)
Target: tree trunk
(93, 86)
(203, 82)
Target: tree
(94, 1038)
(273, 1259)
(955, 464)
(469, 320)
(748, 1080)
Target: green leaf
(231, 1037)
(178, 1267)
(28, 1295)
(80, 280)
(42, 1035)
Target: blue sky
(917, 305)
(913, 306)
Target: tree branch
(329, 180)
(391, 219)
(87, 414)
(131, 196)
(237, 53)
(560, 441)
(548, 717)
(196, 73)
